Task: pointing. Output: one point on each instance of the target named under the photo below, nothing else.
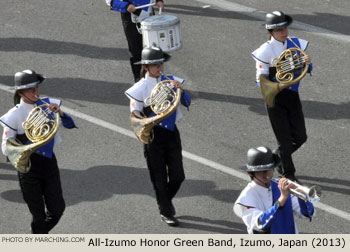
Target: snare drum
(162, 31)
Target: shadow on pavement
(102, 182)
(40, 45)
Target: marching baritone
(286, 117)
(164, 153)
(265, 206)
(41, 185)
(131, 19)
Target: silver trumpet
(312, 194)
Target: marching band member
(41, 186)
(164, 153)
(287, 118)
(129, 16)
(264, 205)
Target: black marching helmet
(261, 159)
(277, 19)
(153, 55)
(27, 79)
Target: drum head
(159, 21)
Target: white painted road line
(260, 15)
(186, 154)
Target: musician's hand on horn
(308, 59)
(176, 84)
(284, 186)
(55, 108)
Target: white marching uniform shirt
(270, 50)
(13, 119)
(142, 90)
(254, 200)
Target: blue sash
(169, 122)
(47, 149)
(290, 44)
(283, 222)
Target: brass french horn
(291, 67)
(40, 127)
(163, 102)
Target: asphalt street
(81, 48)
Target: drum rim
(160, 24)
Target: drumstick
(144, 6)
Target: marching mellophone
(40, 127)
(291, 67)
(163, 101)
(312, 194)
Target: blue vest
(281, 221)
(284, 219)
(278, 220)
